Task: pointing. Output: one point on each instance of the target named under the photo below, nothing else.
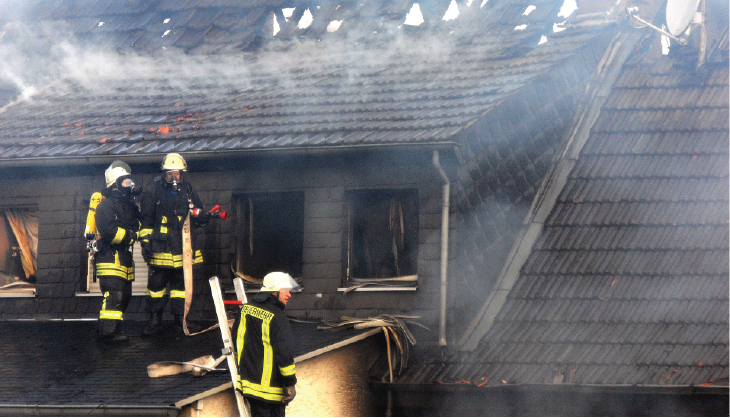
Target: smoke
(33, 55)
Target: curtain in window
(25, 228)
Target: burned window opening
(18, 250)
(381, 238)
(270, 235)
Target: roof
(398, 86)
(61, 364)
(627, 284)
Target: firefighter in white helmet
(164, 205)
(264, 348)
(117, 222)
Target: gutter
(191, 155)
(554, 388)
(89, 410)
(444, 247)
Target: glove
(200, 215)
(291, 392)
(132, 236)
(146, 253)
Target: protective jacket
(117, 221)
(264, 351)
(163, 214)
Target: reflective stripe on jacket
(163, 215)
(117, 221)
(264, 351)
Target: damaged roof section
(628, 282)
(418, 86)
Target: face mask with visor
(173, 177)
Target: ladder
(228, 348)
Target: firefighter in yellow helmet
(164, 205)
(117, 222)
(264, 348)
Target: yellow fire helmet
(116, 169)
(174, 161)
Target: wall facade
(61, 197)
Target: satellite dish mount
(682, 17)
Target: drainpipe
(444, 246)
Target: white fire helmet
(174, 161)
(116, 169)
(273, 282)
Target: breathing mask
(173, 177)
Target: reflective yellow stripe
(144, 233)
(119, 236)
(174, 261)
(104, 314)
(177, 294)
(268, 353)
(114, 269)
(116, 315)
(239, 338)
(288, 370)
(263, 392)
(163, 225)
(156, 295)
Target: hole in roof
(288, 12)
(101, 24)
(483, 3)
(543, 39)
(414, 16)
(558, 28)
(334, 25)
(166, 21)
(306, 19)
(469, 2)
(275, 25)
(521, 27)
(167, 32)
(452, 12)
(569, 6)
(531, 8)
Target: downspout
(444, 246)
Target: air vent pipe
(444, 246)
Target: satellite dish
(680, 13)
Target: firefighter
(264, 348)
(164, 206)
(117, 222)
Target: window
(381, 238)
(18, 251)
(270, 234)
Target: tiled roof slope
(410, 86)
(61, 364)
(628, 284)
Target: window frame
(406, 281)
(31, 288)
(289, 223)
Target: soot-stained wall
(61, 196)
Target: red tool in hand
(215, 212)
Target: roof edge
(563, 387)
(202, 155)
(303, 357)
(89, 410)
